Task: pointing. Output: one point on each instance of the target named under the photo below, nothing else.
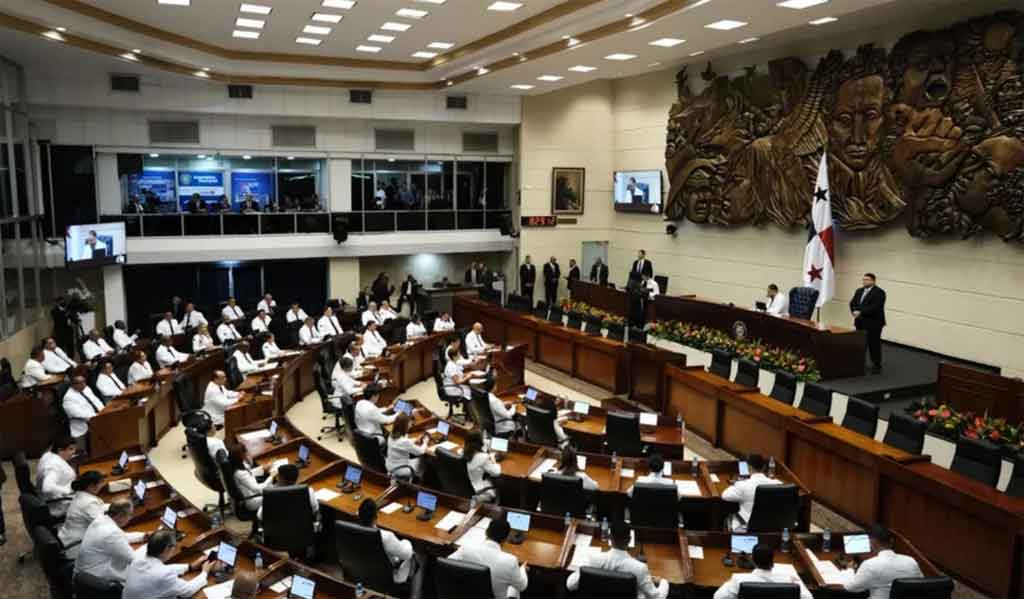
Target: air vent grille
(174, 132)
(457, 102)
(124, 83)
(299, 136)
(395, 139)
(475, 141)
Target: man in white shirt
(231, 312)
(655, 475)
(270, 348)
(226, 332)
(192, 318)
(876, 574)
(508, 578)
(775, 302)
(444, 323)
(328, 324)
(475, 344)
(650, 286)
(140, 370)
(399, 551)
(454, 375)
(218, 397)
(764, 571)
(96, 347)
(308, 334)
(370, 314)
(261, 323)
(169, 327)
(121, 337)
(243, 360)
(743, 492)
(167, 356)
(386, 313)
(54, 475)
(108, 384)
(148, 577)
(34, 371)
(80, 405)
(354, 352)
(373, 342)
(415, 328)
(267, 304)
(369, 418)
(54, 359)
(618, 559)
(343, 381)
(93, 247)
(295, 314)
(106, 551)
(502, 413)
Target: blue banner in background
(208, 184)
(260, 185)
(153, 186)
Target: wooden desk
(256, 446)
(249, 408)
(192, 522)
(36, 406)
(662, 548)
(692, 393)
(602, 297)
(326, 586)
(319, 457)
(751, 422)
(407, 526)
(803, 543)
(545, 545)
(409, 363)
(373, 486)
(971, 390)
(710, 573)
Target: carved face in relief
(856, 122)
(927, 79)
(701, 188)
(990, 162)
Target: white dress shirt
(56, 361)
(777, 305)
(475, 344)
(168, 328)
(731, 588)
(656, 478)
(618, 560)
(139, 371)
(385, 315)
(260, 325)
(226, 332)
(85, 507)
(292, 316)
(329, 326)
(215, 445)
(503, 422)
(80, 408)
(508, 579)
(123, 340)
(95, 349)
(167, 356)
(404, 452)
(308, 335)
(149, 578)
(876, 574)
(370, 419)
(271, 350)
(34, 373)
(109, 385)
(202, 343)
(251, 488)
(742, 492)
(452, 370)
(357, 361)
(53, 479)
(399, 551)
(216, 400)
(106, 550)
(653, 289)
(443, 325)
(268, 308)
(413, 330)
(193, 319)
(232, 312)
(369, 317)
(481, 466)
(244, 361)
(373, 344)
(343, 384)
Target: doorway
(592, 250)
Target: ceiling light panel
(174, 2)
(393, 26)
(823, 21)
(251, 23)
(342, 4)
(620, 56)
(246, 34)
(522, 86)
(309, 41)
(411, 13)
(667, 42)
(801, 4)
(422, 54)
(370, 49)
(441, 45)
(255, 9)
(582, 69)
(381, 39)
(324, 17)
(550, 78)
(316, 30)
(725, 25)
(505, 6)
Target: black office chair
(370, 449)
(617, 332)
(205, 469)
(288, 523)
(817, 400)
(1016, 486)
(454, 579)
(861, 416)
(88, 586)
(592, 325)
(775, 507)
(363, 559)
(453, 475)
(57, 568)
(662, 282)
(784, 388)
(905, 432)
(654, 505)
(938, 587)
(448, 394)
(23, 474)
(36, 512)
(235, 376)
(606, 584)
(622, 434)
(227, 479)
(540, 426)
(555, 315)
(636, 335)
(977, 459)
(189, 405)
(329, 409)
(561, 494)
(482, 415)
(748, 373)
(769, 590)
(575, 320)
(721, 363)
(802, 301)
(541, 311)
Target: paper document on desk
(136, 458)
(546, 466)
(326, 495)
(278, 463)
(581, 462)
(449, 445)
(790, 571)
(391, 508)
(696, 551)
(688, 487)
(564, 413)
(627, 473)
(255, 435)
(155, 483)
(473, 536)
(830, 573)
(581, 555)
(119, 486)
(450, 521)
(266, 367)
(648, 419)
(282, 585)
(219, 591)
(715, 479)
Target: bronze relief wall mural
(931, 131)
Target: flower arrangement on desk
(708, 339)
(945, 421)
(585, 309)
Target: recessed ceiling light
(62, 29)
(253, 23)
(381, 39)
(572, 42)
(411, 13)
(291, 158)
(249, 35)
(207, 69)
(800, 4)
(201, 157)
(423, 54)
(431, 1)
(310, 41)
(136, 50)
(629, 15)
(725, 25)
(342, 4)
(53, 35)
(748, 40)
(130, 56)
(697, 53)
(174, 2)
(620, 56)
(582, 69)
(505, 6)
(440, 45)
(325, 17)
(654, 64)
(483, 71)
(391, 159)
(823, 21)
(256, 9)
(202, 74)
(449, 83)
(521, 86)
(393, 26)
(550, 78)
(316, 30)
(667, 42)
(370, 49)
(154, 155)
(247, 157)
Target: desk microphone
(425, 516)
(727, 560)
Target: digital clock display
(538, 221)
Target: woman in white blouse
(479, 465)
(85, 507)
(270, 348)
(202, 340)
(243, 360)
(403, 451)
(246, 479)
(140, 369)
(569, 466)
(54, 475)
(415, 328)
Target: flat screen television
(98, 244)
(637, 191)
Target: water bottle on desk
(771, 467)
(785, 540)
(360, 591)
(695, 467)
(257, 561)
(826, 540)
(604, 529)
(568, 520)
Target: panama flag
(820, 255)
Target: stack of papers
(790, 571)
(326, 495)
(715, 479)
(391, 508)
(474, 535)
(219, 591)
(278, 463)
(546, 466)
(155, 483)
(450, 521)
(282, 585)
(829, 572)
(627, 473)
(696, 551)
(449, 445)
(581, 554)
(255, 435)
(688, 487)
(118, 486)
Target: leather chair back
(35, 512)
(204, 467)
(817, 399)
(1016, 486)
(775, 507)
(622, 434)
(721, 363)
(362, 557)
(769, 590)
(235, 377)
(481, 410)
(595, 582)
(748, 373)
(654, 505)
(636, 335)
(456, 579)
(977, 459)
(369, 450)
(540, 426)
(938, 587)
(288, 519)
(592, 325)
(88, 586)
(185, 394)
(861, 416)
(662, 282)
(802, 301)
(906, 433)
(555, 315)
(784, 388)
(227, 481)
(561, 494)
(57, 568)
(541, 311)
(324, 390)
(617, 332)
(23, 474)
(575, 320)
(452, 473)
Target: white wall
(428, 268)
(343, 275)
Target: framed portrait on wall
(567, 190)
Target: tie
(864, 295)
(67, 361)
(222, 390)
(95, 408)
(116, 382)
(333, 326)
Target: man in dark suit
(473, 274)
(406, 293)
(641, 266)
(574, 271)
(552, 272)
(249, 205)
(527, 279)
(868, 309)
(599, 273)
(196, 205)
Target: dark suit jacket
(407, 287)
(469, 276)
(599, 275)
(527, 275)
(551, 273)
(362, 301)
(872, 308)
(574, 273)
(648, 269)
(381, 291)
